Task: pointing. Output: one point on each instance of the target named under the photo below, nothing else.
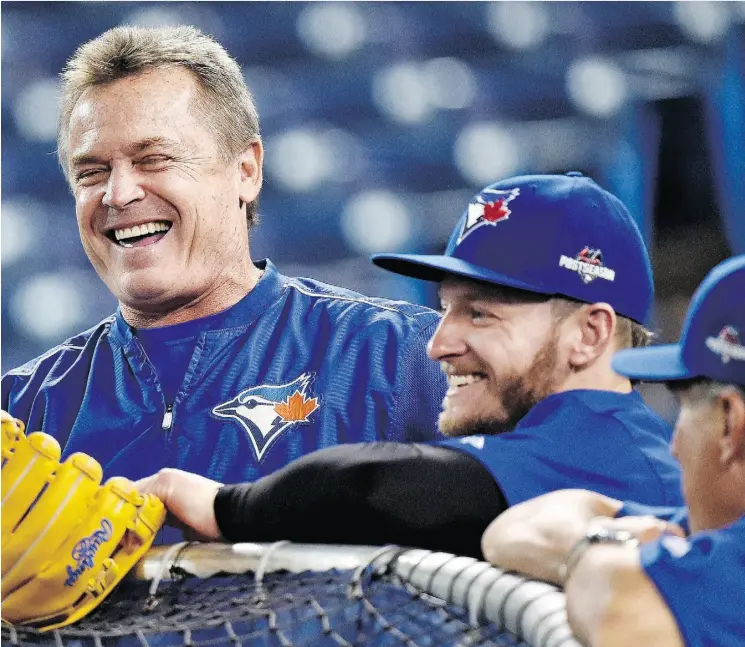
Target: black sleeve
(425, 496)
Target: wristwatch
(596, 534)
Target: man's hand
(189, 499)
(535, 537)
(612, 603)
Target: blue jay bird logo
(265, 411)
(488, 208)
(727, 344)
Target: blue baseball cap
(710, 344)
(549, 234)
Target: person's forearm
(377, 493)
(535, 537)
(611, 602)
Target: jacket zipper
(167, 418)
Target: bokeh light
(486, 152)
(334, 30)
(597, 86)
(375, 221)
(36, 112)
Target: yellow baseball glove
(67, 540)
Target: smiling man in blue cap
(544, 278)
(662, 577)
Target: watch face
(596, 534)
(601, 534)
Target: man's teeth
(141, 230)
(463, 380)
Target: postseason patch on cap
(727, 345)
(489, 208)
(588, 264)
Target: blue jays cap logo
(489, 208)
(588, 264)
(727, 344)
(265, 411)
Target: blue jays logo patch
(265, 411)
(489, 208)
(727, 344)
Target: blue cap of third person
(712, 342)
(549, 234)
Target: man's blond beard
(519, 394)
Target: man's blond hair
(628, 333)
(225, 101)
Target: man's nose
(123, 187)
(447, 341)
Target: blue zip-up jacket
(296, 365)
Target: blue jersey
(607, 442)
(701, 579)
(295, 366)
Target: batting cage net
(294, 594)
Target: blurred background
(380, 120)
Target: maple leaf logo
(296, 408)
(490, 208)
(496, 211)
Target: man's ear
(732, 440)
(251, 161)
(596, 326)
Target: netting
(310, 595)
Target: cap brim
(435, 268)
(653, 364)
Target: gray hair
(228, 106)
(704, 390)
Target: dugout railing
(294, 594)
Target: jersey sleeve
(420, 388)
(701, 581)
(19, 393)
(63, 370)
(37, 395)
(6, 391)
